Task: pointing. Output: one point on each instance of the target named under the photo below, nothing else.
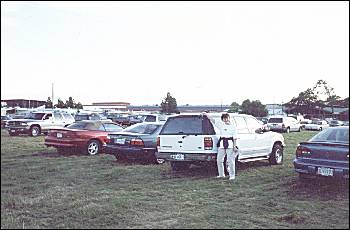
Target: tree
(79, 105)
(254, 108)
(234, 107)
(60, 104)
(169, 104)
(70, 103)
(306, 101)
(48, 103)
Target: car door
(261, 143)
(245, 141)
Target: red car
(89, 137)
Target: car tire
(276, 156)
(288, 130)
(35, 131)
(93, 147)
(179, 166)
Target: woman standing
(227, 146)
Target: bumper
(186, 156)
(312, 169)
(24, 129)
(130, 152)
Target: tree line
(70, 103)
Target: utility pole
(52, 96)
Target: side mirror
(259, 130)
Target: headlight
(23, 124)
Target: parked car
(134, 119)
(4, 120)
(283, 124)
(89, 116)
(88, 136)
(154, 118)
(317, 125)
(138, 141)
(264, 120)
(325, 154)
(36, 123)
(334, 123)
(187, 139)
(122, 119)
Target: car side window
(242, 127)
(47, 116)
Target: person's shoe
(220, 177)
(232, 178)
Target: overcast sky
(200, 52)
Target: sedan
(87, 136)
(317, 125)
(4, 120)
(138, 141)
(326, 154)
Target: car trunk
(326, 151)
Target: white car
(283, 124)
(317, 125)
(192, 138)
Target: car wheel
(276, 157)
(159, 161)
(299, 130)
(288, 130)
(320, 128)
(179, 166)
(93, 147)
(34, 131)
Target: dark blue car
(138, 141)
(326, 154)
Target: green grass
(43, 189)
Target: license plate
(179, 157)
(325, 171)
(59, 135)
(120, 141)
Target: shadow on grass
(58, 154)
(321, 188)
(209, 170)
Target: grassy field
(43, 189)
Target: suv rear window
(192, 125)
(275, 120)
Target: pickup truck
(36, 123)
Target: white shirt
(227, 130)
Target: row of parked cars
(288, 124)
(187, 139)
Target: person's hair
(225, 115)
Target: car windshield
(142, 128)
(34, 116)
(332, 135)
(81, 117)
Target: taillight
(158, 141)
(137, 142)
(208, 143)
(283, 126)
(302, 151)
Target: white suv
(192, 138)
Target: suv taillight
(302, 151)
(158, 141)
(208, 143)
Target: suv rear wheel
(276, 157)
(179, 166)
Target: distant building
(23, 103)
(122, 106)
